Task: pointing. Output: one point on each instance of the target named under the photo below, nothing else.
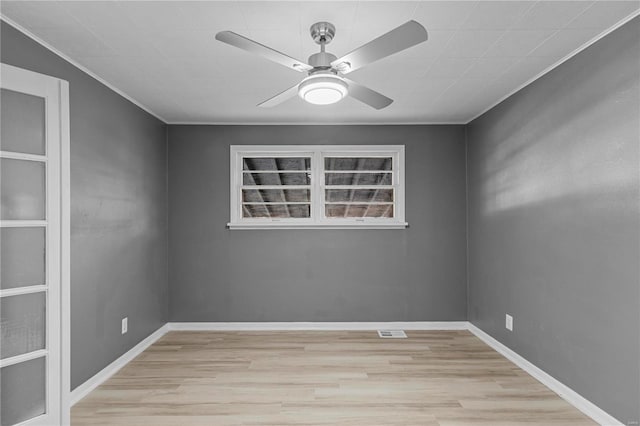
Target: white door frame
(56, 94)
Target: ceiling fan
(325, 83)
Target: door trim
(65, 254)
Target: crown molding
(311, 123)
(82, 68)
(558, 63)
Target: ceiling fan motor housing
(321, 60)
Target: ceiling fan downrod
(322, 33)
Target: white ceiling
(163, 55)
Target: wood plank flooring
(432, 378)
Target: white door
(32, 127)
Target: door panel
(22, 189)
(30, 256)
(23, 123)
(23, 391)
(23, 324)
(22, 257)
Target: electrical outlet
(508, 322)
(125, 325)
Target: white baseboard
(568, 394)
(572, 397)
(319, 326)
(84, 389)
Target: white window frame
(317, 153)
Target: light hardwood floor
(443, 378)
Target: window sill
(284, 225)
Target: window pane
(358, 163)
(277, 163)
(363, 179)
(22, 390)
(23, 324)
(22, 189)
(275, 195)
(22, 257)
(276, 178)
(359, 195)
(276, 210)
(23, 122)
(358, 210)
(281, 183)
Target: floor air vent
(392, 334)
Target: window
(324, 186)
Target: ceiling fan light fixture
(323, 89)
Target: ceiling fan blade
(251, 46)
(280, 97)
(401, 38)
(367, 96)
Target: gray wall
(118, 212)
(554, 220)
(317, 275)
(553, 225)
